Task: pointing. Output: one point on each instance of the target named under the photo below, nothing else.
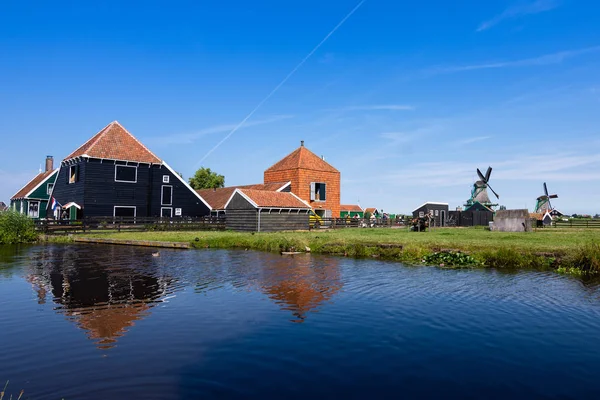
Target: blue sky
(406, 99)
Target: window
(49, 188)
(421, 214)
(437, 213)
(125, 173)
(73, 174)
(166, 196)
(178, 212)
(34, 207)
(166, 212)
(317, 191)
(124, 211)
(165, 178)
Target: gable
(302, 158)
(33, 184)
(114, 142)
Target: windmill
(479, 192)
(543, 202)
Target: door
(443, 218)
(166, 212)
(34, 209)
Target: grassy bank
(564, 250)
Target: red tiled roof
(115, 143)
(350, 207)
(301, 158)
(264, 198)
(370, 210)
(32, 184)
(272, 186)
(217, 198)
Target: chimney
(323, 158)
(302, 143)
(49, 163)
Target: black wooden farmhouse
(475, 215)
(113, 174)
(439, 211)
(264, 211)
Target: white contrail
(238, 126)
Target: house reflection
(102, 293)
(301, 284)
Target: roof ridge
(94, 139)
(136, 139)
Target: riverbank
(564, 250)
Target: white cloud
(547, 59)
(519, 10)
(187, 138)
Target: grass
(570, 249)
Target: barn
(266, 211)
(438, 210)
(114, 174)
(475, 215)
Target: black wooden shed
(266, 211)
(439, 211)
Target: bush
(450, 258)
(16, 228)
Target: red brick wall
(301, 180)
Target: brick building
(312, 179)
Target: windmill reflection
(301, 284)
(98, 288)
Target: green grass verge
(563, 250)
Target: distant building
(114, 174)
(351, 210)
(372, 211)
(32, 199)
(217, 198)
(312, 179)
(439, 212)
(3, 206)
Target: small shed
(438, 210)
(265, 211)
(351, 210)
(512, 221)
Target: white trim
(71, 204)
(284, 186)
(161, 195)
(307, 205)
(41, 183)
(134, 210)
(245, 196)
(430, 202)
(29, 203)
(166, 208)
(167, 177)
(49, 189)
(126, 166)
(186, 184)
(76, 165)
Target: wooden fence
(339, 223)
(98, 224)
(577, 223)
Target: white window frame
(313, 191)
(161, 195)
(49, 188)
(178, 212)
(437, 213)
(126, 166)
(421, 214)
(29, 203)
(166, 208)
(134, 210)
(76, 176)
(166, 178)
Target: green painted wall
(40, 194)
(344, 214)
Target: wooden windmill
(542, 204)
(479, 192)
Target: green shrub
(450, 258)
(16, 228)
(586, 259)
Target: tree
(204, 178)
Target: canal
(117, 322)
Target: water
(100, 322)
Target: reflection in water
(103, 292)
(300, 285)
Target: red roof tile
(264, 198)
(217, 198)
(32, 185)
(370, 210)
(114, 142)
(302, 158)
(350, 207)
